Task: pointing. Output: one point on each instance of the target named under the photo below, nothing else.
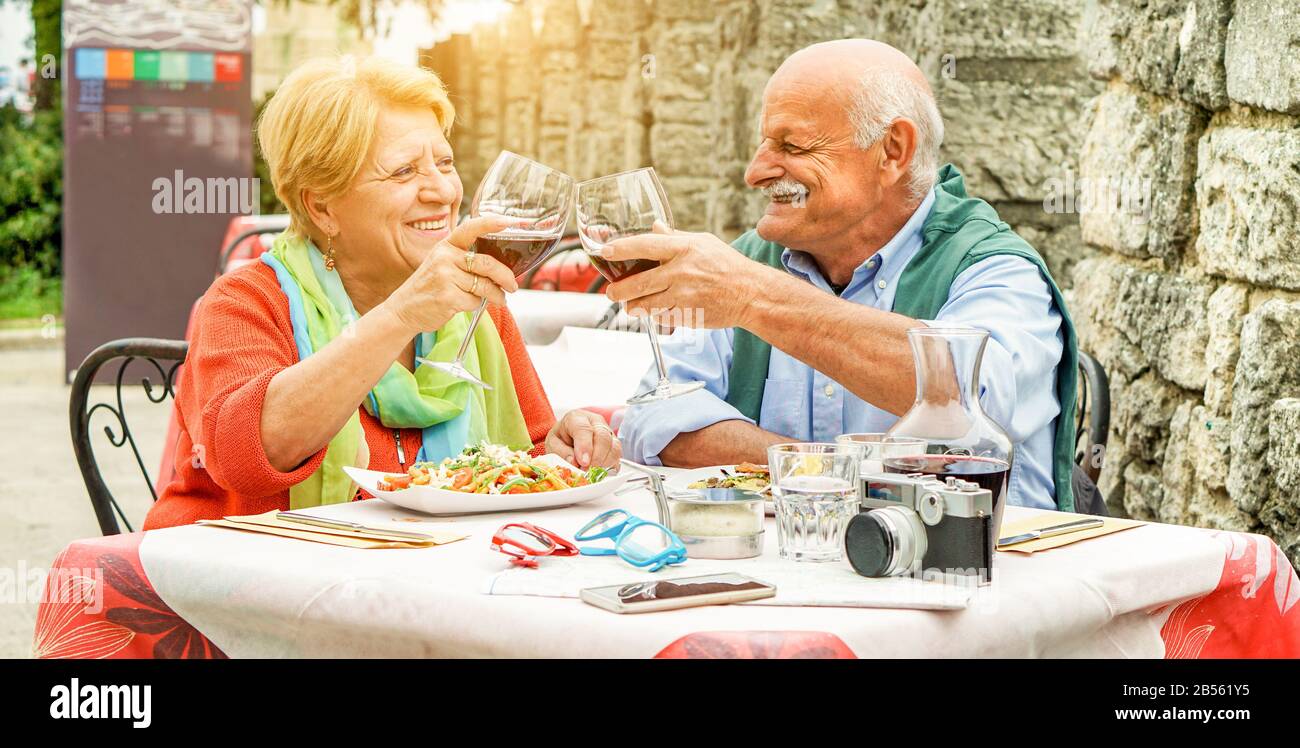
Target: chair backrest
(244, 236)
(1091, 416)
(247, 245)
(165, 356)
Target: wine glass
(619, 205)
(536, 199)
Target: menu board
(157, 160)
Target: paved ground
(43, 503)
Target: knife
(336, 524)
(1047, 532)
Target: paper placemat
(1040, 521)
(797, 584)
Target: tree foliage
(31, 190)
(47, 16)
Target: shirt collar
(889, 260)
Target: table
(1154, 591)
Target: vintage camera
(918, 525)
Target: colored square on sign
(90, 64)
(121, 65)
(175, 66)
(229, 68)
(147, 62)
(200, 67)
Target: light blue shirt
(1007, 296)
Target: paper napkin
(1048, 519)
(371, 537)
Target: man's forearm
(721, 443)
(864, 349)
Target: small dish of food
(746, 476)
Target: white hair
(884, 96)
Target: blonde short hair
(316, 130)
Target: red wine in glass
(986, 472)
(520, 251)
(617, 270)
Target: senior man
(864, 238)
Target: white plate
(441, 501)
(681, 481)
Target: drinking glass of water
(815, 488)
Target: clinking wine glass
(622, 205)
(536, 199)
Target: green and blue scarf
(452, 413)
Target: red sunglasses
(522, 541)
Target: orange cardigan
(242, 337)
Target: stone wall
(1192, 304)
(295, 32)
(601, 86)
(1151, 151)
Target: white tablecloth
(261, 596)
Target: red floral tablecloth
(99, 604)
(1252, 613)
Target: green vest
(959, 232)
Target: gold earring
(329, 252)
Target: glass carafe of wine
(962, 441)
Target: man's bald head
(874, 84)
(843, 63)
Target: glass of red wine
(617, 206)
(536, 198)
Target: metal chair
(157, 352)
(272, 224)
(1091, 416)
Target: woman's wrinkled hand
(584, 439)
(452, 279)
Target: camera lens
(868, 546)
(885, 542)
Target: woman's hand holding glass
(451, 279)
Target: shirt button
(880, 284)
(829, 390)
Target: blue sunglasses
(625, 529)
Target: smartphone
(670, 594)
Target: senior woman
(305, 362)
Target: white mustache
(785, 188)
